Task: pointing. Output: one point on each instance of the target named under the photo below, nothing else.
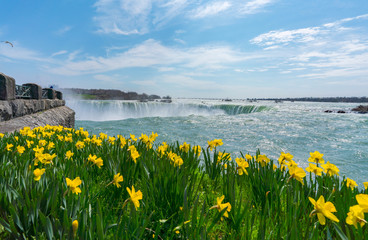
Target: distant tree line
(316, 99)
(106, 94)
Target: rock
(341, 111)
(328, 111)
(360, 109)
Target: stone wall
(63, 116)
(29, 105)
(21, 107)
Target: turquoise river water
(295, 127)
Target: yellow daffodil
(135, 196)
(214, 143)
(73, 185)
(330, 169)
(316, 157)
(123, 141)
(297, 173)
(153, 137)
(221, 206)
(117, 178)
(175, 159)
(362, 200)
(351, 183)
(263, 160)
(75, 227)
(69, 154)
(274, 167)
(38, 173)
(51, 145)
(248, 157)
(162, 149)
(323, 209)
(197, 150)
(20, 149)
(42, 143)
(223, 156)
(9, 147)
(242, 164)
(314, 169)
(185, 147)
(285, 157)
(102, 136)
(133, 138)
(29, 143)
(355, 216)
(80, 145)
(133, 153)
(2, 135)
(365, 185)
(96, 161)
(112, 140)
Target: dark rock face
(361, 109)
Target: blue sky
(190, 48)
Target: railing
(44, 94)
(22, 91)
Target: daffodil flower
(330, 169)
(323, 209)
(135, 196)
(355, 216)
(316, 157)
(38, 173)
(73, 185)
(242, 164)
(297, 173)
(117, 178)
(221, 206)
(314, 169)
(351, 183)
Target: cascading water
(98, 110)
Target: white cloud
(18, 52)
(63, 30)
(59, 53)
(152, 53)
(128, 17)
(255, 6)
(179, 41)
(210, 9)
(302, 35)
(123, 17)
(145, 83)
(190, 83)
(285, 37)
(114, 79)
(330, 50)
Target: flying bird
(11, 44)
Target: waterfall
(107, 110)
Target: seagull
(11, 44)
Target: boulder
(361, 109)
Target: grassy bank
(64, 184)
